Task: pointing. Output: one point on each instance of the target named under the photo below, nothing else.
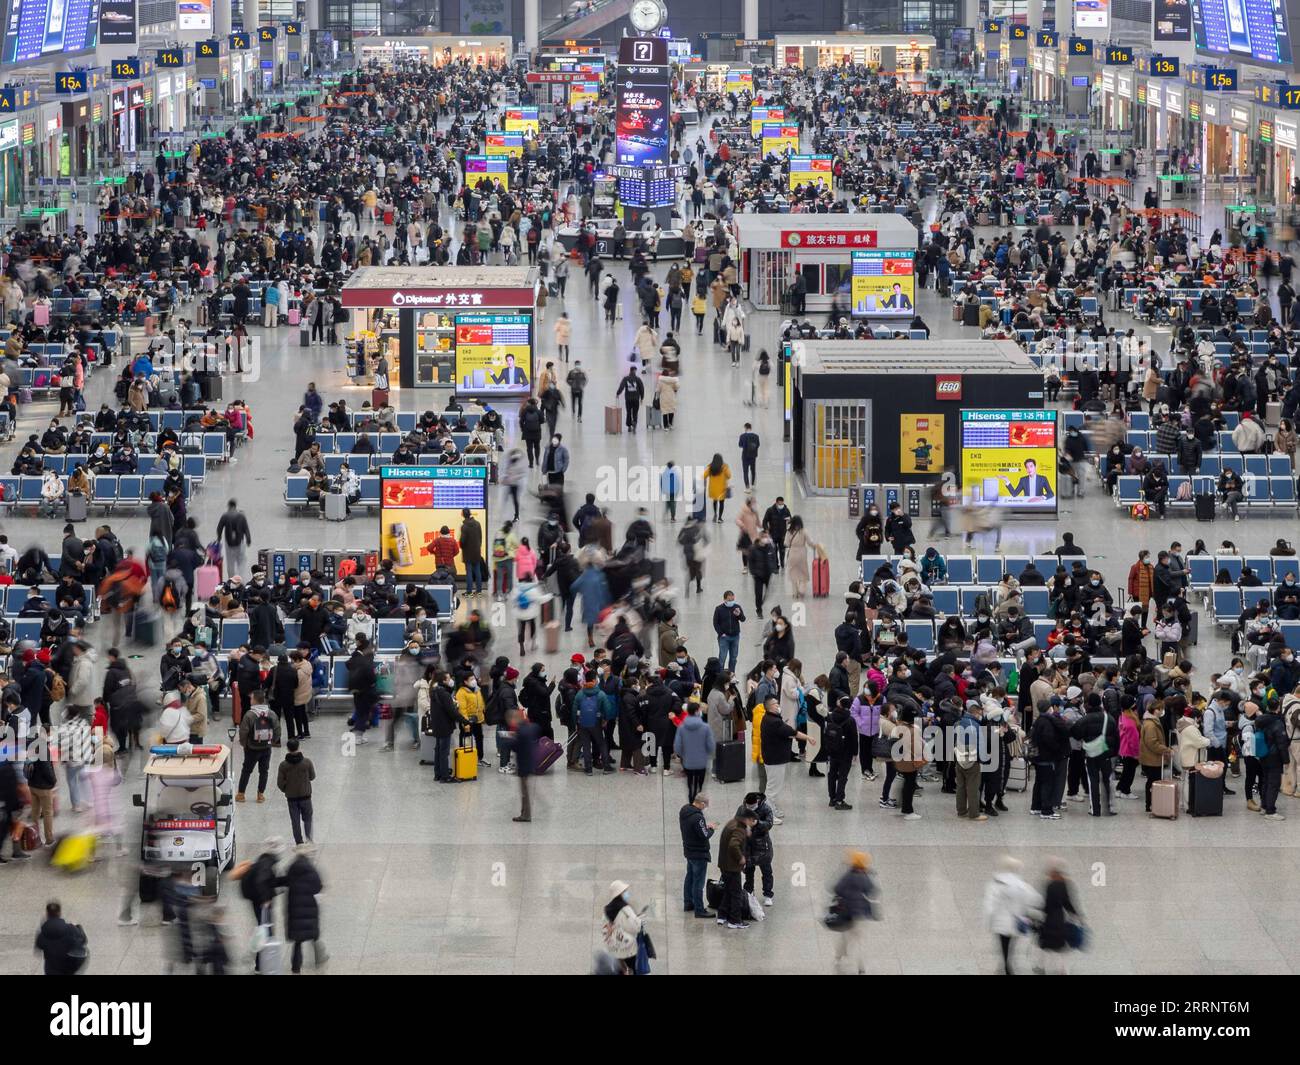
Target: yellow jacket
(716, 487)
(470, 703)
(757, 750)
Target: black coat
(302, 913)
(535, 697)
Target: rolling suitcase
(1205, 793)
(551, 637)
(464, 760)
(76, 506)
(304, 334)
(428, 743)
(821, 578)
(613, 421)
(1018, 775)
(1165, 797)
(206, 579)
(336, 506)
(654, 418)
(1204, 504)
(713, 893)
(729, 762)
(548, 753)
(145, 629)
(378, 398)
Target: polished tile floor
(424, 878)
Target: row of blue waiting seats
(1261, 493)
(1141, 420)
(384, 443)
(1203, 569)
(295, 489)
(980, 569)
(193, 466)
(406, 420)
(1245, 305)
(107, 490)
(1093, 353)
(336, 672)
(158, 419)
(1088, 305)
(16, 596)
(390, 634)
(211, 446)
(1227, 458)
(1227, 604)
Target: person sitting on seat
(124, 460)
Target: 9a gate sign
(947, 386)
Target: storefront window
(872, 16)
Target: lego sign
(827, 239)
(947, 386)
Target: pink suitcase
(206, 579)
(295, 314)
(1165, 798)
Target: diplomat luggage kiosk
(464, 327)
(893, 411)
(822, 247)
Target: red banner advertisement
(828, 238)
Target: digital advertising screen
(1250, 28)
(1173, 20)
(194, 15)
(501, 142)
(416, 502)
(759, 115)
(777, 137)
(493, 167)
(883, 284)
(641, 126)
(1008, 459)
(920, 443)
(593, 64)
(809, 169)
(37, 28)
(1091, 14)
(583, 94)
(494, 355)
(522, 120)
(739, 81)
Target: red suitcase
(548, 753)
(821, 578)
(378, 398)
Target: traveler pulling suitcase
(654, 418)
(464, 759)
(336, 506)
(548, 753)
(1165, 797)
(1204, 504)
(1205, 790)
(206, 579)
(613, 421)
(729, 762)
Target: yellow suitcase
(74, 853)
(464, 760)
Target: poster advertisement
(778, 138)
(494, 355)
(641, 116)
(1008, 459)
(1173, 20)
(499, 142)
(739, 81)
(486, 17)
(522, 120)
(416, 502)
(759, 115)
(583, 94)
(1091, 14)
(920, 447)
(492, 167)
(810, 169)
(194, 15)
(883, 284)
(117, 21)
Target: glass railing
(573, 13)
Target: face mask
(681, 660)
(1096, 584)
(905, 674)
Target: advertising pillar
(642, 128)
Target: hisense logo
(133, 1020)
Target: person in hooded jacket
(840, 744)
(758, 844)
(302, 884)
(1009, 903)
(535, 697)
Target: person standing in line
(696, 833)
(302, 912)
(758, 845)
(1008, 904)
(471, 553)
(526, 737)
(734, 910)
(293, 778)
(840, 742)
(853, 894)
(749, 444)
(259, 731)
(776, 737)
(233, 534)
(694, 745)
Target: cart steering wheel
(203, 809)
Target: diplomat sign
(418, 298)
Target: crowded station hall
(920, 597)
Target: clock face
(646, 15)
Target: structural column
(531, 24)
(751, 20)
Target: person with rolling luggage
(1153, 752)
(443, 718)
(259, 884)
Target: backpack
(263, 727)
(1262, 748)
(58, 689)
(587, 707)
(168, 598)
(499, 548)
(79, 952)
(833, 737)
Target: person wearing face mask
(727, 619)
(535, 697)
(1284, 673)
(1286, 599)
(469, 700)
(622, 931)
(555, 460)
(779, 645)
(176, 664)
(870, 532)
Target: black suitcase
(729, 762)
(713, 893)
(1204, 795)
(1204, 504)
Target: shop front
(1178, 131)
(77, 148)
(1042, 75)
(468, 329)
(904, 53)
(11, 164)
(54, 160)
(1228, 130)
(857, 262)
(1123, 117)
(1283, 169)
(435, 50)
